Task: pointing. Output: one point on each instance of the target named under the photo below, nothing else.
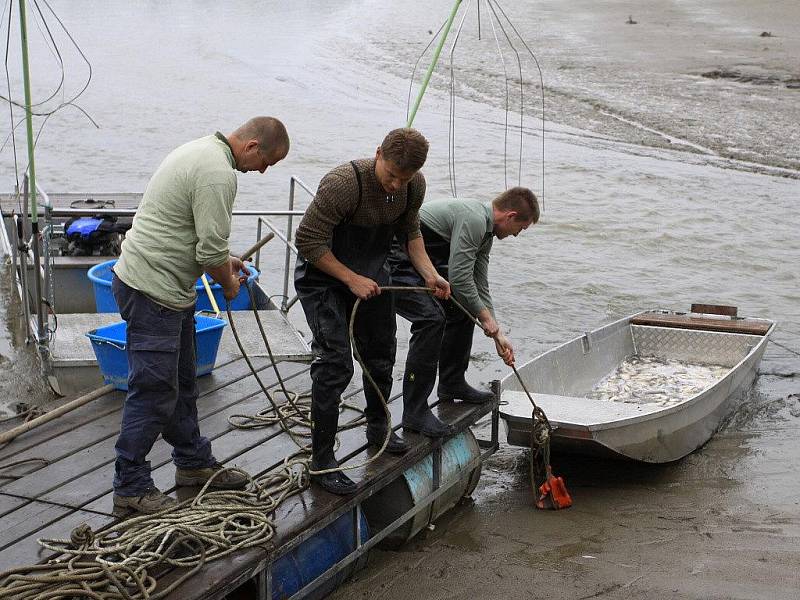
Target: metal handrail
(129, 212)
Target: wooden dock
(71, 484)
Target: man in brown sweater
(344, 240)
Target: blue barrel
(110, 342)
(408, 491)
(313, 557)
(101, 275)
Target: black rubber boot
(396, 444)
(417, 415)
(336, 483)
(466, 393)
(323, 438)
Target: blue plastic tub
(101, 276)
(109, 344)
(241, 302)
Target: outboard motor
(95, 236)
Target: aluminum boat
(563, 381)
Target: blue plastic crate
(101, 275)
(109, 345)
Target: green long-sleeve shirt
(468, 226)
(182, 224)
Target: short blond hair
(405, 147)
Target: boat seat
(587, 412)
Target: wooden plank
(27, 550)
(79, 468)
(748, 326)
(213, 425)
(715, 309)
(31, 517)
(9, 503)
(94, 488)
(86, 434)
(107, 405)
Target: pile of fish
(641, 380)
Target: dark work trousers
(162, 390)
(328, 304)
(328, 312)
(441, 334)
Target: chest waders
(327, 304)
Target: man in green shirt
(458, 237)
(180, 230)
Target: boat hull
(654, 436)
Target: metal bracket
(586, 343)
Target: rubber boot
(323, 439)
(375, 414)
(464, 392)
(417, 415)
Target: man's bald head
(270, 134)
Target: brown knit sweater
(336, 201)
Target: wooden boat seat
(689, 321)
(587, 412)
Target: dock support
(491, 445)
(264, 582)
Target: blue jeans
(162, 390)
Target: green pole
(432, 66)
(26, 77)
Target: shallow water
(643, 209)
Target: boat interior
(562, 379)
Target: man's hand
(504, 349)
(238, 267)
(439, 285)
(490, 326)
(231, 288)
(363, 287)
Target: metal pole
(258, 237)
(26, 78)
(22, 271)
(287, 261)
(432, 66)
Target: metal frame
(263, 571)
(36, 321)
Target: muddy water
(663, 187)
